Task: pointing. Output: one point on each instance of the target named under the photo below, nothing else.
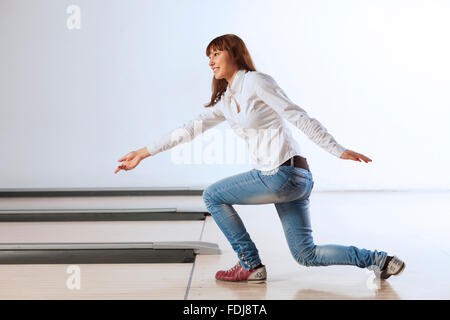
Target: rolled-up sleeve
(268, 90)
(188, 131)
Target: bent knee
(208, 196)
(307, 257)
(307, 262)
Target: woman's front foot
(238, 273)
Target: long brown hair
(240, 56)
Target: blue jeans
(289, 189)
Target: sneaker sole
(247, 281)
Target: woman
(255, 106)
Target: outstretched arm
(188, 131)
(183, 134)
(269, 91)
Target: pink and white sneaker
(239, 274)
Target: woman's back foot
(392, 267)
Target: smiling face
(221, 64)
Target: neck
(231, 78)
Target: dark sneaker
(393, 268)
(238, 273)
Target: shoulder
(258, 76)
(257, 79)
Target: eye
(216, 52)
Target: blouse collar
(236, 85)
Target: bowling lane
(98, 281)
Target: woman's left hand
(352, 155)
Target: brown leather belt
(299, 162)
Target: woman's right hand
(129, 161)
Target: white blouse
(255, 107)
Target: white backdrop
(74, 101)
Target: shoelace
(234, 268)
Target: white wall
(72, 102)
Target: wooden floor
(411, 225)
